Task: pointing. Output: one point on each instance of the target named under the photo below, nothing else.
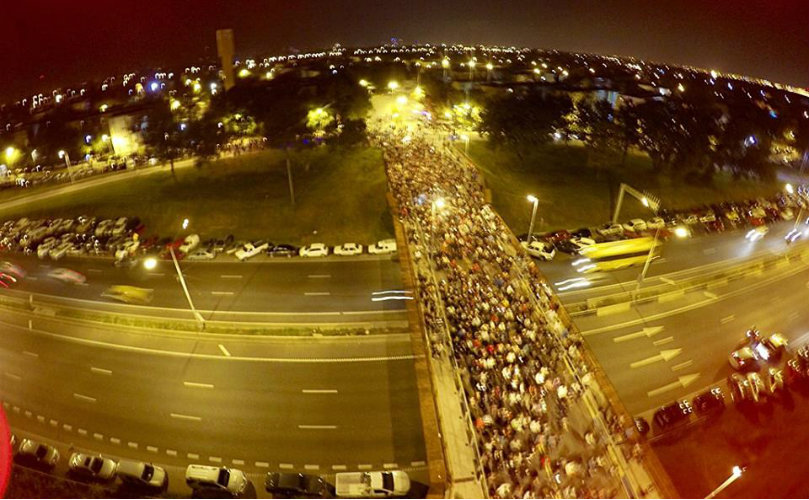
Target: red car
(557, 236)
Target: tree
(163, 135)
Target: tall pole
(736, 474)
(196, 313)
(533, 199)
(649, 258)
(289, 177)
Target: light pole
(63, 154)
(465, 138)
(735, 474)
(533, 199)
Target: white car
(383, 247)
(93, 466)
(655, 223)
(708, 217)
(348, 249)
(128, 249)
(757, 233)
(44, 248)
(201, 254)
(610, 230)
(314, 250)
(539, 249)
(143, 474)
(190, 243)
(635, 225)
(394, 483)
(67, 276)
(251, 249)
(690, 219)
(60, 250)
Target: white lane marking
(53, 423)
(82, 432)
(727, 319)
(313, 294)
(157, 274)
(313, 427)
(84, 398)
(95, 270)
(709, 251)
(171, 453)
(102, 371)
(385, 292)
(180, 416)
(67, 427)
(83, 284)
(319, 276)
(215, 292)
(339, 467)
(231, 276)
(319, 391)
(285, 466)
(391, 297)
(710, 295)
(32, 354)
(418, 463)
(311, 467)
(153, 449)
(115, 440)
(13, 376)
(98, 437)
(793, 316)
(198, 384)
(364, 466)
(187, 355)
(193, 456)
(29, 413)
(44, 266)
(664, 341)
(40, 419)
(265, 465)
(391, 466)
(224, 350)
(238, 461)
(684, 364)
(132, 445)
(34, 278)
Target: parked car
(372, 484)
(314, 250)
(756, 385)
(348, 249)
(709, 401)
(292, 484)
(610, 230)
(739, 388)
(757, 233)
(539, 249)
(94, 467)
(672, 414)
(201, 254)
(38, 455)
(44, 248)
(635, 225)
(216, 479)
(655, 223)
(383, 247)
(143, 475)
(251, 249)
(190, 243)
(129, 294)
(283, 251)
(773, 380)
(755, 351)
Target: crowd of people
(485, 305)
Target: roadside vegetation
(339, 196)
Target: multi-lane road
(670, 347)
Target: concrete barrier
(669, 296)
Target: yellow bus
(616, 254)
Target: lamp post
(63, 154)
(533, 199)
(735, 474)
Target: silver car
(37, 454)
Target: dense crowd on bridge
(504, 333)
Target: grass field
(339, 197)
(572, 195)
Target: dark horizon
(48, 44)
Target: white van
(394, 483)
(208, 477)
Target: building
(225, 47)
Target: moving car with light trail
(613, 255)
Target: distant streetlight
(789, 188)
(150, 263)
(63, 155)
(533, 199)
(680, 232)
(735, 474)
(185, 224)
(393, 85)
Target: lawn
(572, 194)
(339, 195)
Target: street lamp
(533, 199)
(789, 188)
(63, 155)
(735, 474)
(150, 263)
(680, 232)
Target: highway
(672, 347)
(296, 285)
(258, 404)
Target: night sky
(50, 43)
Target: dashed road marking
(53, 423)
(237, 461)
(709, 251)
(82, 432)
(265, 465)
(67, 427)
(311, 467)
(224, 350)
(317, 427)
(198, 384)
(158, 275)
(34, 278)
(664, 341)
(391, 466)
(418, 463)
(82, 397)
(32, 354)
(180, 416)
(727, 319)
(793, 316)
(319, 276)
(710, 295)
(315, 294)
(284, 466)
(216, 460)
(114, 440)
(319, 391)
(215, 292)
(153, 449)
(231, 276)
(28, 413)
(16, 409)
(102, 371)
(339, 467)
(132, 445)
(40, 419)
(364, 466)
(193, 456)
(95, 270)
(98, 437)
(13, 376)
(171, 453)
(684, 364)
